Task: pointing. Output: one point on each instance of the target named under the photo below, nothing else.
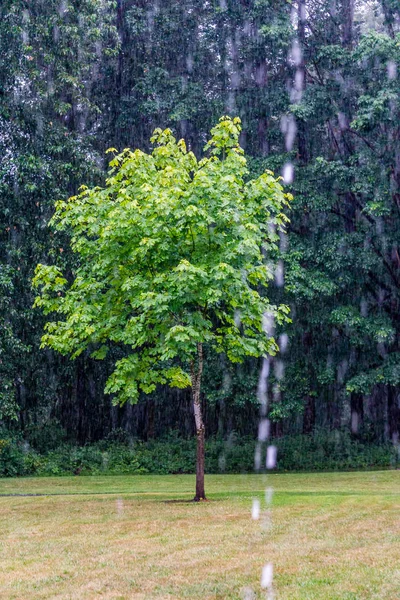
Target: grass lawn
(329, 536)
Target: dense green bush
(323, 450)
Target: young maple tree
(174, 254)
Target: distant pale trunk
(196, 372)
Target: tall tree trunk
(301, 80)
(347, 22)
(393, 413)
(196, 372)
(357, 412)
(309, 415)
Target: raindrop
(269, 492)
(266, 576)
(288, 173)
(263, 430)
(231, 102)
(343, 121)
(283, 342)
(279, 369)
(272, 452)
(391, 70)
(255, 509)
(364, 308)
(25, 21)
(283, 242)
(222, 462)
(342, 370)
(279, 278)
(276, 393)
(379, 226)
(98, 48)
(248, 594)
(296, 53)
(237, 318)
(289, 129)
(189, 62)
(299, 80)
(119, 506)
(63, 8)
(268, 323)
(235, 80)
(56, 33)
(354, 421)
(257, 457)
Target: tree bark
(357, 412)
(393, 413)
(309, 415)
(196, 372)
(301, 80)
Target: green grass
(329, 536)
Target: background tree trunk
(309, 415)
(196, 372)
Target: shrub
(322, 450)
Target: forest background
(316, 84)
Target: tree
(174, 256)
(52, 58)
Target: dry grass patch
(333, 536)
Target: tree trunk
(196, 372)
(309, 415)
(393, 413)
(357, 412)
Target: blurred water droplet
(248, 594)
(343, 121)
(263, 430)
(237, 318)
(62, 8)
(267, 575)
(354, 422)
(288, 173)
(56, 33)
(257, 457)
(266, 522)
(342, 370)
(263, 386)
(276, 393)
(272, 452)
(279, 369)
(222, 462)
(269, 492)
(364, 308)
(279, 274)
(268, 323)
(379, 226)
(189, 62)
(299, 80)
(391, 69)
(255, 509)
(283, 243)
(283, 342)
(296, 53)
(119, 506)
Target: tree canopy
(173, 252)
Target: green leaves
(169, 251)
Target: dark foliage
(78, 77)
